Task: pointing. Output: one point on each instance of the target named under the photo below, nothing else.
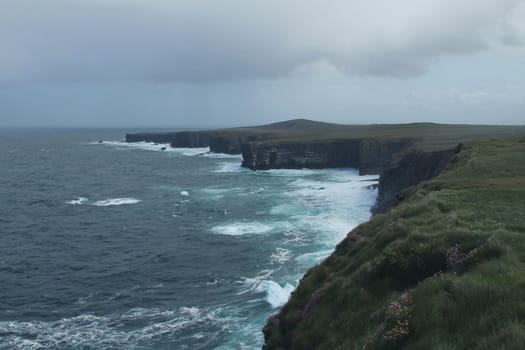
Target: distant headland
(417, 151)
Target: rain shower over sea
(124, 246)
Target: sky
(210, 63)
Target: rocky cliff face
(190, 139)
(369, 155)
(230, 144)
(218, 142)
(412, 169)
(261, 156)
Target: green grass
(428, 136)
(445, 269)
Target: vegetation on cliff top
(429, 136)
(444, 269)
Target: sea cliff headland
(440, 265)
(402, 154)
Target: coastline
(413, 177)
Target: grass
(428, 136)
(445, 269)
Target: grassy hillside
(429, 133)
(445, 269)
(429, 136)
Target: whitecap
(230, 168)
(146, 146)
(196, 151)
(288, 172)
(222, 155)
(184, 193)
(313, 258)
(78, 201)
(153, 146)
(115, 201)
(87, 330)
(276, 295)
(242, 228)
(280, 256)
(251, 283)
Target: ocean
(126, 246)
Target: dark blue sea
(125, 246)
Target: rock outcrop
(219, 142)
(412, 169)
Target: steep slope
(444, 269)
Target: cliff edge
(442, 269)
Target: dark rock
(273, 322)
(412, 169)
(369, 155)
(315, 299)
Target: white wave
(295, 236)
(152, 146)
(115, 201)
(313, 258)
(100, 332)
(79, 201)
(146, 146)
(196, 151)
(184, 193)
(276, 295)
(230, 168)
(288, 172)
(242, 228)
(222, 155)
(251, 283)
(327, 205)
(280, 256)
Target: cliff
(302, 143)
(442, 269)
(218, 141)
(369, 155)
(437, 267)
(413, 168)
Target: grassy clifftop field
(444, 269)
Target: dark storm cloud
(208, 41)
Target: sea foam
(242, 228)
(191, 151)
(152, 146)
(276, 295)
(230, 167)
(103, 332)
(222, 155)
(78, 201)
(115, 201)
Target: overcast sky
(239, 62)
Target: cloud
(208, 41)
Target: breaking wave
(118, 331)
(78, 201)
(115, 201)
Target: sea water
(108, 245)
